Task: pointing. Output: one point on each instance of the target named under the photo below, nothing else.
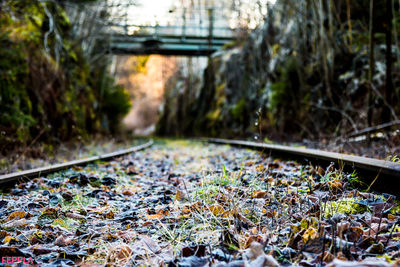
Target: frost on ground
(184, 203)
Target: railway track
(384, 175)
(130, 202)
(28, 174)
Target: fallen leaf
(309, 234)
(110, 215)
(147, 223)
(63, 241)
(217, 210)
(128, 193)
(8, 239)
(328, 257)
(74, 216)
(253, 239)
(16, 215)
(254, 251)
(120, 254)
(145, 245)
(376, 228)
(260, 194)
(155, 216)
(15, 224)
(179, 195)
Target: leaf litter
(184, 203)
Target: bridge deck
(142, 44)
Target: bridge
(191, 33)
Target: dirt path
(192, 204)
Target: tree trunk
(388, 92)
(371, 62)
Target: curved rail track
(15, 176)
(384, 175)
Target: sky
(163, 12)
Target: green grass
(67, 223)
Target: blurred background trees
(312, 69)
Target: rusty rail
(15, 176)
(385, 175)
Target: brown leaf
(74, 216)
(147, 223)
(376, 228)
(3, 234)
(355, 234)
(63, 241)
(145, 245)
(120, 254)
(320, 171)
(254, 251)
(260, 194)
(43, 249)
(50, 212)
(179, 195)
(110, 215)
(341, 256)
(253, 238)
(16, 215)
(12, 251)
(392, 217)
(293, 240)
(155, 216)
(128, 193)
(128, 235)
(328, 257)
(243, 219)
(217, 210)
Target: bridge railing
(172, 30)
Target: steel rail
(384, 175)
(37, 172)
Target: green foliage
(345, 206)
(15, 105)
(282, 91)
(116, 104)
(53, 92)
(238, 109)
